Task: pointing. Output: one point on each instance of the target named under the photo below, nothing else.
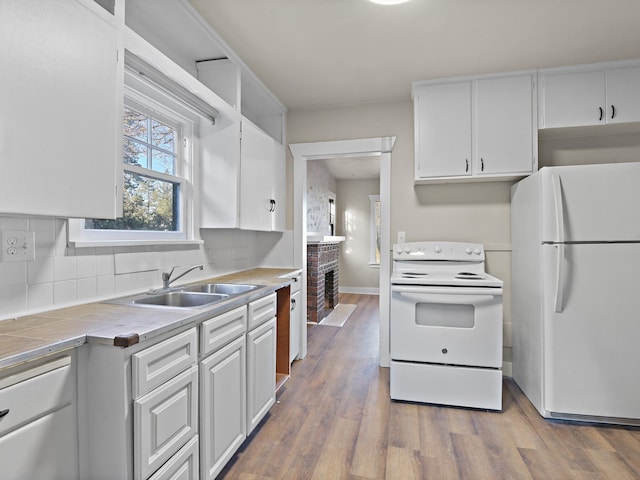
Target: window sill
(130, 243)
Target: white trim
(378, 146)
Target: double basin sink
(190, 296)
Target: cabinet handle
(613, 111)
(466, 161)
(273, 205)
(293, 304)
(4, 413)
(601, 114)
(481, 165)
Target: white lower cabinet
(295, 325)
(175, 408)
(223, 390)
(223, 406)
(261, 372)
(38, 423)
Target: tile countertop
(32, 336)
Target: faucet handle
(167, 275)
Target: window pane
(135, 124)
(162, 162)
(149, 204)
(135, 153)
(162, 136)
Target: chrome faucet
(166, 276)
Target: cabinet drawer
(164, 421)
(296, 284)
(182, 466)
(261, 310)
(22, 397)
(159, 363)
(218, 331)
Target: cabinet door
(164, 420)
(220, 173)
(256, 178)
(261, 372)
(504, 125)
(278, 188)
(223, 407)
(572, 99)
(295, 318)
(61, 111)
(623, 95)
(442, 119)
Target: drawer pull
(4, 413)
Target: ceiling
(353, 168)
(321, 53)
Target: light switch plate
(400, 237)
(18, 245)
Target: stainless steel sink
(180, 299)
(221, 288)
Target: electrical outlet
(18, 246)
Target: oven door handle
(446, 295)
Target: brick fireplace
(322, 279)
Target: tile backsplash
(62, 275)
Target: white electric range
(445, 326)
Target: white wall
(353, 221)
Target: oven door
(446, 325)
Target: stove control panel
(446, 251)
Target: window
(332, 214)
(151, 187)
(374, 235)
(156, 163)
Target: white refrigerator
(575, 234)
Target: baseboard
(360, 290)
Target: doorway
(368, 147)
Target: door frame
(364, 147)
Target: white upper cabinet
(442, 115)
(589, 95)
(480, 128)
(262, 180)
(61, 71)
(505, 125)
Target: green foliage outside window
(149, 203)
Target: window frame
(144, 97)
(373, 232)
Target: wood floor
(334, 420)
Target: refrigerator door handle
(557, 197)
(559, 278)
